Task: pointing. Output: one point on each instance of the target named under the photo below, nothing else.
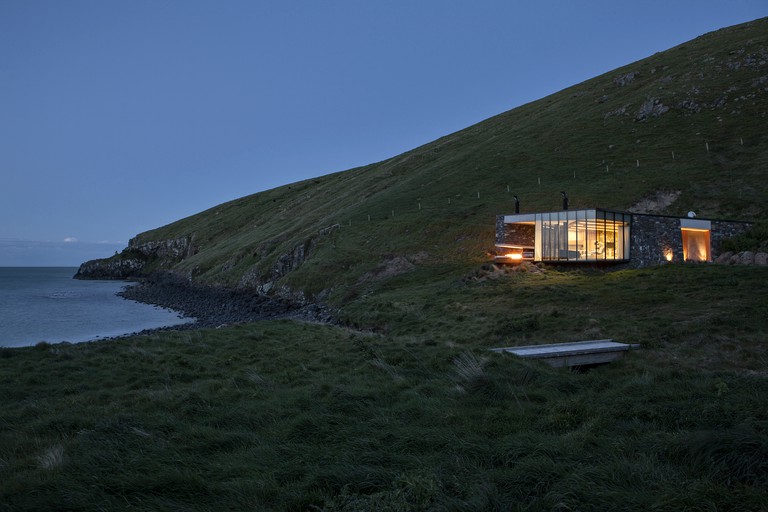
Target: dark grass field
(283, 415)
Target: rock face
(625, 79)
(286, 263)
(173, 249)
(652, 107)
(135, 259)
(111, 268)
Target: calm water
(46, 304)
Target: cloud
(70, 239)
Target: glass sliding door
(581, 236)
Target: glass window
(581, 235)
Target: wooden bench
(575, 353)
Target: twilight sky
(120, 116)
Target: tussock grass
(470, 372)
(283, 415)
(51, 458)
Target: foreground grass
(291, 416)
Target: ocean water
(46, 304)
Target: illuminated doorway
(696, 239)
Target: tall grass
(283, 415)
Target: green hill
(400, 405)
(681, 130)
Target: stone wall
(653, 237)
(723, 230)
(500, 229)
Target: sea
(47, 304)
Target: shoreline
(200, 307)
(215, 307)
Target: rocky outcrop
(652, 107)
(266, 282)
(137, 259)
(625, 79)
(175, 249)
(117, 267)
(743, 258)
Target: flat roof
(531, 217)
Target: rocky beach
(217, 306)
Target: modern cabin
(609, 237)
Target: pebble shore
(216, 307)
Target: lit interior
(696, 244)
(583, 235)
(571, 235)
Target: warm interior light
(696, 244)
(515, 256)
(668, 255)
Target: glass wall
(582, 236)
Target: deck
(576, 353)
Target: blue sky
(120, 116)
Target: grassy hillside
(689, 121)
(281, 415)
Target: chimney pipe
(565, 200)
(517, 204)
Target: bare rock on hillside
(690, 105)
(625, 79)
(391, 266)
(657, 202)
(761, 258)
(652, 107)
(616, 112)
